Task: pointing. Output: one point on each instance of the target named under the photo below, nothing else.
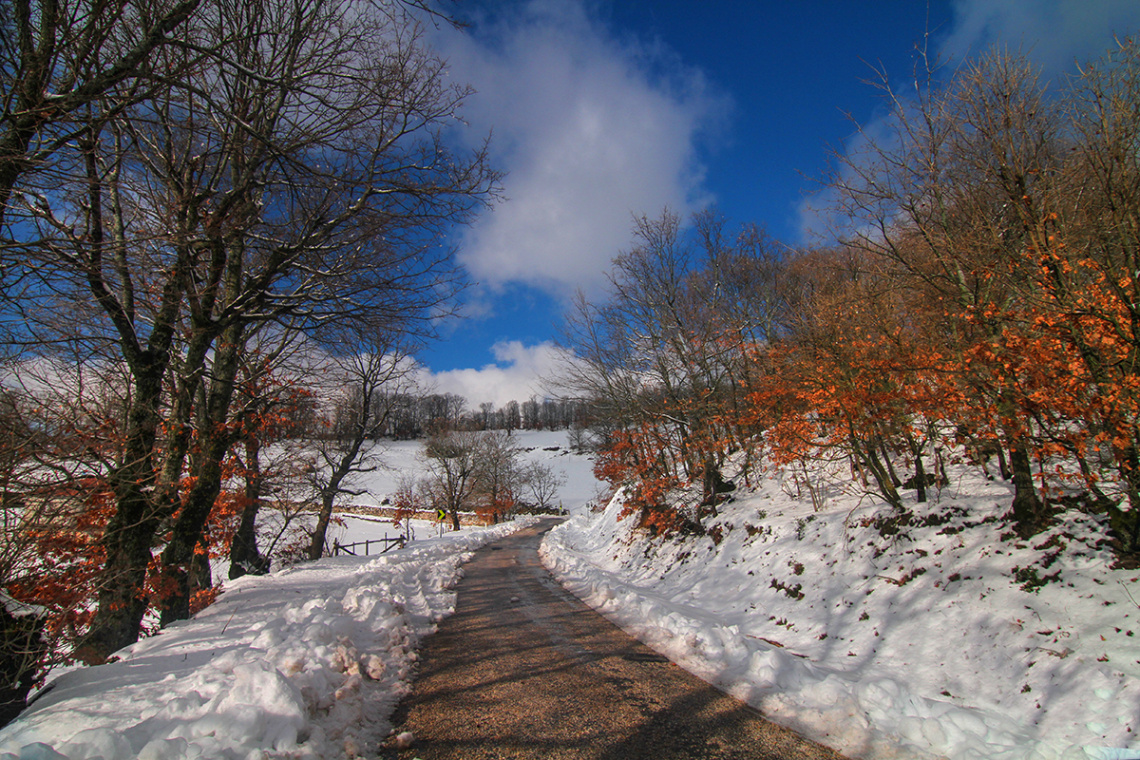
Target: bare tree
(60, 56)
(273, 405)
(300, 174)
(454, 468)
(512, 419)
(500, 475)
(542, 483)
(369, 381)
(666, 350)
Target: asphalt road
(523, 669)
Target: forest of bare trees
(979, 303)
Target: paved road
(523, 669)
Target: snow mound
(306, 663)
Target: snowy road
(525, 670)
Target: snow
(308, 662)
(18, 609)
(922, 640)
(396, 460)
(919, 643)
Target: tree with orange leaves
(942, 203)
(856, 376)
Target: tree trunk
(919, 480)
(22, 651)
(869, 461)
(919, 468)
(244, 555)
(1029, 514)
(129, 534)
(1127, 524)
(317, 541)
(888, 463)
(201, 575)
(121, 600)
(178, 556)
(328, 499)
(179, 553)
(713, 485)
(1004, 468)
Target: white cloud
(1055, 34)
(516, 375)
(591, 131)
(822, 218)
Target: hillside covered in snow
(939, 635)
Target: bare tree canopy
(181, 179)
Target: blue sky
(600, 110)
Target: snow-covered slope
(934, 638)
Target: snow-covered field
(933, 639)
(401, 458)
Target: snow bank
(305, 663)
(916, 644)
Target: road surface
(523, 669)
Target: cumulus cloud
(516, 374)
(590, 129)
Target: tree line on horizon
(417, 415)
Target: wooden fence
(387, 543)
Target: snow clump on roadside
(307, 663)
